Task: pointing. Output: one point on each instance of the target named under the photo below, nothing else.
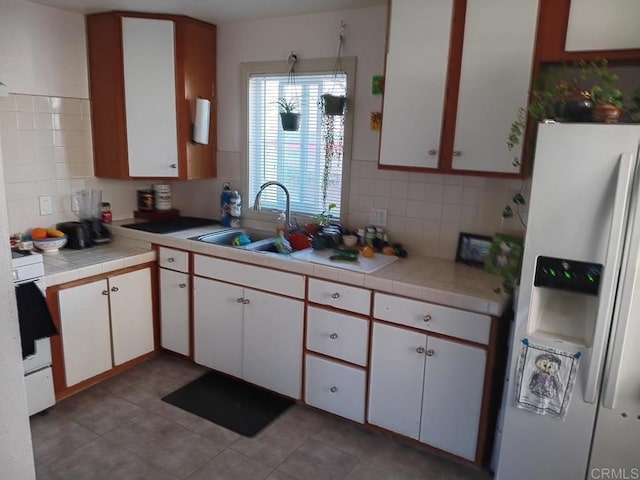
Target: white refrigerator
(579, 297)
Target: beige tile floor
(121, 429)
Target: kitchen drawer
(335, 388)
(354, 299)
(173, 259)
(275, 281)
(338, 335)
(434, 318)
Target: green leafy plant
(288, 105)
(324, 218)
(559, 84)
(634, 111)
(607, 94)
(510, 212)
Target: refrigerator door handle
(610, 274)
(624, 307)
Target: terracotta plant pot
(607, 113)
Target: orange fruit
(368, 252)
(38, 233)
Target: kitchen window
(296, 158)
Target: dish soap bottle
(281, 225)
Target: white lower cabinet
(174, 311)
(249, 334)
(335, 387)
(427, 388)
(109, 315)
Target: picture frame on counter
(473, 249)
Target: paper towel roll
(201, 124)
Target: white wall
(16, 456)
(426, 212)
(43, 50)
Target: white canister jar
(162, 196)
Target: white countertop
(423, 278)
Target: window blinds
(294, 158)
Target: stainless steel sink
(226, 237)
(265, 245)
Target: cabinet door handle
(171, 259)
(431, 152)
(457, 153)
(430, 353)
(333, 336)
(333, 389)
(105, 292)
(182, 285)
(114, 289)
(335, 295)
(173, 165)
(420, 350)
(427, 318)
(240, 300)
(246, 301)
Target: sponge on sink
(241, 240)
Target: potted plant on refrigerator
(608, 104)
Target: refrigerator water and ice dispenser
(564, 299)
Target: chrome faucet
(287, 211)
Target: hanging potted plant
(333, 104)
(289, 117)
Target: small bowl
(50, 245)
(349, 240)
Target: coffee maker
(89, 206)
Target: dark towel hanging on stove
(33, 316)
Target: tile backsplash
(47, 150)
(425, 212)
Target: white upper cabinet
(494, 81)
(601, 25)
(415, 81)
(150, 97)
(456, 75)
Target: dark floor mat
(171, 225)
(231, 403)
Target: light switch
(46, 205)
(379, 217)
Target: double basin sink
(260, 241)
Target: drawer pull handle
(105, 292)
(246, 301)
(426, 318)
(457, 153)
(240, 300)
(171, 259)
(432, 152)
(335, 295)
(420, 350)
(173, 165)
(182, 285)
(333, 336)
(114, 289)
(333, 389)
(430, 353)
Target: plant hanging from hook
(335, 104)
(289, 105)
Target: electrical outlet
(379, 217)
(46, 204)
(75, 207)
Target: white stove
(29, 267)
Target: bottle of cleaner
(281, 224)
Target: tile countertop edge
(422, 278)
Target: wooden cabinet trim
(553, 21)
